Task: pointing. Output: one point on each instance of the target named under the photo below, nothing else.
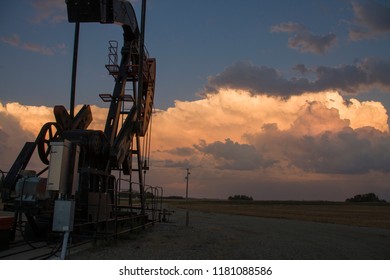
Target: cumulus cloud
(315, 118)
(301, 68)
(29, 118)
(269, 147)
(308, 146)
(14, 40)
(219, 127)
(32, 118)
(372, 19)
(304, 40)
(320, 141)
(12, 137)
(176, 163)
(233, 155)
(366, 74)
(21, 123)
(182, 151)
(257, 79)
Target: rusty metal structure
(85, 191)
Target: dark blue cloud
(363, 75)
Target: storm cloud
(366, 74)
(233, 155)
(269, 147)
(304, 40)
(12, 137)
(320, 141)
(372, 19)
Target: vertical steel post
(139, 104)
(74, 68)
(141, 62)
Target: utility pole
(187, 213)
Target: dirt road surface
(222, 236)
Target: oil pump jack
(81, 192)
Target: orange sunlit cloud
(233, 137)
(235, 113)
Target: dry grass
(366, 215)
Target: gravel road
(221, 236)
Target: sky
(271, 99)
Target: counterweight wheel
(49, 132)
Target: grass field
(366, 215)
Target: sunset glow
(265, 99)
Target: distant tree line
(240, 197)
(368, 197)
